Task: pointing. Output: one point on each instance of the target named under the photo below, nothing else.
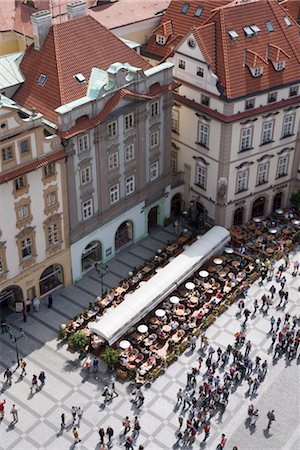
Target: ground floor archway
(8, 298)
(258, 208)
(124, 234)
(238, 216)
(176, 203)
(153, 218)
(51, 278)
(90, 255)
(277, 201)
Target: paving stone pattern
(68, 384)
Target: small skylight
(185, 8)
(79, 77)
(233, 34)
(287, 21)
(269, 26)
(248, 31)
(198, 11)
(42, 79)
(255, 29)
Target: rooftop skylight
(79, 77)
(233, 34)
(287, 21)
(255, 28)
(198, 11)
(42, 79)
(185, 8)
(248, 31)
(269, 26)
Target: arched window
(176, 205)
(90, 255)
(277, 201)
(238, 217)
(152, 218)
(124, 234)
(258, 208)
(51, 278)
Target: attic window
(185, 8)
(257, 72)
(279, 65)
(287, 21)
(42, 79)
(269, 26)
(161, 40)
(198, 11)
(233, 35)
(255, 28)
(79, 77)
(191, 43)
(248, 31)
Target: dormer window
(161, 40)
(257, 71)
(279, 65)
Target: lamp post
(14, 340)
(101, 270)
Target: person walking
(286, 298)
(255, 304)
(248, 348)
(76, 435)
(128, 443)
(136, 427)
(206, 430)
(8, 376)
(50, 301)
(180, 420)
(24, 315)
(246, 314)
(241, 306)
(79, 414)
(193, 342)
(28, 305)
(126, 424)
(110, 433)
(23, 365)
(274, 337)
(179, 396)
(62, 422)
(222, 442)
(101, 435)
(74, 413)
(3, 326)
(2, 409)
(14, 413)
(36, 304)
(113, 389)
(272, 322)
(42, 378)
(34, 384)
(272, 291)
(296, 268)
(282, 282)
(271, 418)
(278, 323)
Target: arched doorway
(238, 216)
(51, 278)
(124, 234)
(277, 201)
(258, 208)
(152, 218)
(8, 298)
(90, 255)
(176, 205)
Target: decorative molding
(263, 158)
(202, 116)
(200, 159)
(245, 164)
(245, 122)
(285, 150)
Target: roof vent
(76, 9)
(79, 77)
(42, 79)
(233, 35)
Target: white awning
(143, 300)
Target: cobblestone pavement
(68, 384)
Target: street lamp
(14, 340)
(101, 270)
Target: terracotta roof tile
(71, 47)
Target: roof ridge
(225, 52)
(58, 62)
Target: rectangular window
(203, 132)
(154, 109)
(288, 125)
(282, 166)
(154, 171)
(49, 170)
(293, 91)
(246, 136)
(26, 248)
(20, 183)
(129, 121)
(53, 234)
(267, 133)
(249, 103)
(87, 209)
(272, 97)
(114, 194)
(1, 265)
(181, 64)
(201, 176)
(113, 161)
(200, 72)
(173, 163)
(154, 139)
(161, 40)
(51, 199)
(24, 147)
(83, 143)
(204, 99)
(129, 152)
(175, 121)
(85, 175)
(130, 185)
(112, 129)
(7, 154)
(262, 174)
(242, 181)
(23, 212)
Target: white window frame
(154, 170)
(267, 132)
(280, 65)
(205, 100)
(113, 161)
(49, 199)
(161, 40)
(53, 234)
(272, 97)
(7, 153)
(83, 143)
(242, 181)
(87, 209)
(175, 120)
(246, 139)
(130, 185)
(129, 152)
(112, 129)
(129, 121)
(203, 134)
(201, 176)
(262, 174)
(49, 170)
(174, 162)
(85, 175)
(257, 71)
(154, 109)
(20, 183)
(23, 212)
(282, 167)
(294, 90)
(181, 64)
(154, 139)
(249, 103)
(114, 194)
(288, 125)
(27, 146)
(25, 245)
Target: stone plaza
(68, 383)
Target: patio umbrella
(124, 345)
(203, 273)
(142, 329)
(174, 300)
(279, 211)
(273, 230)
(228, 250)
(160, 313)
(218, 261)
(190, 286)
(296, 222)
(256, 219)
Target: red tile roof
(174, 25)
(33, 165)
(71, 47)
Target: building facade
(34, 237)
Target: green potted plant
(110, 357)
(78, 341)
(62, 332)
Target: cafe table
(167, 328)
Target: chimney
(76, 9)
(41, 22)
